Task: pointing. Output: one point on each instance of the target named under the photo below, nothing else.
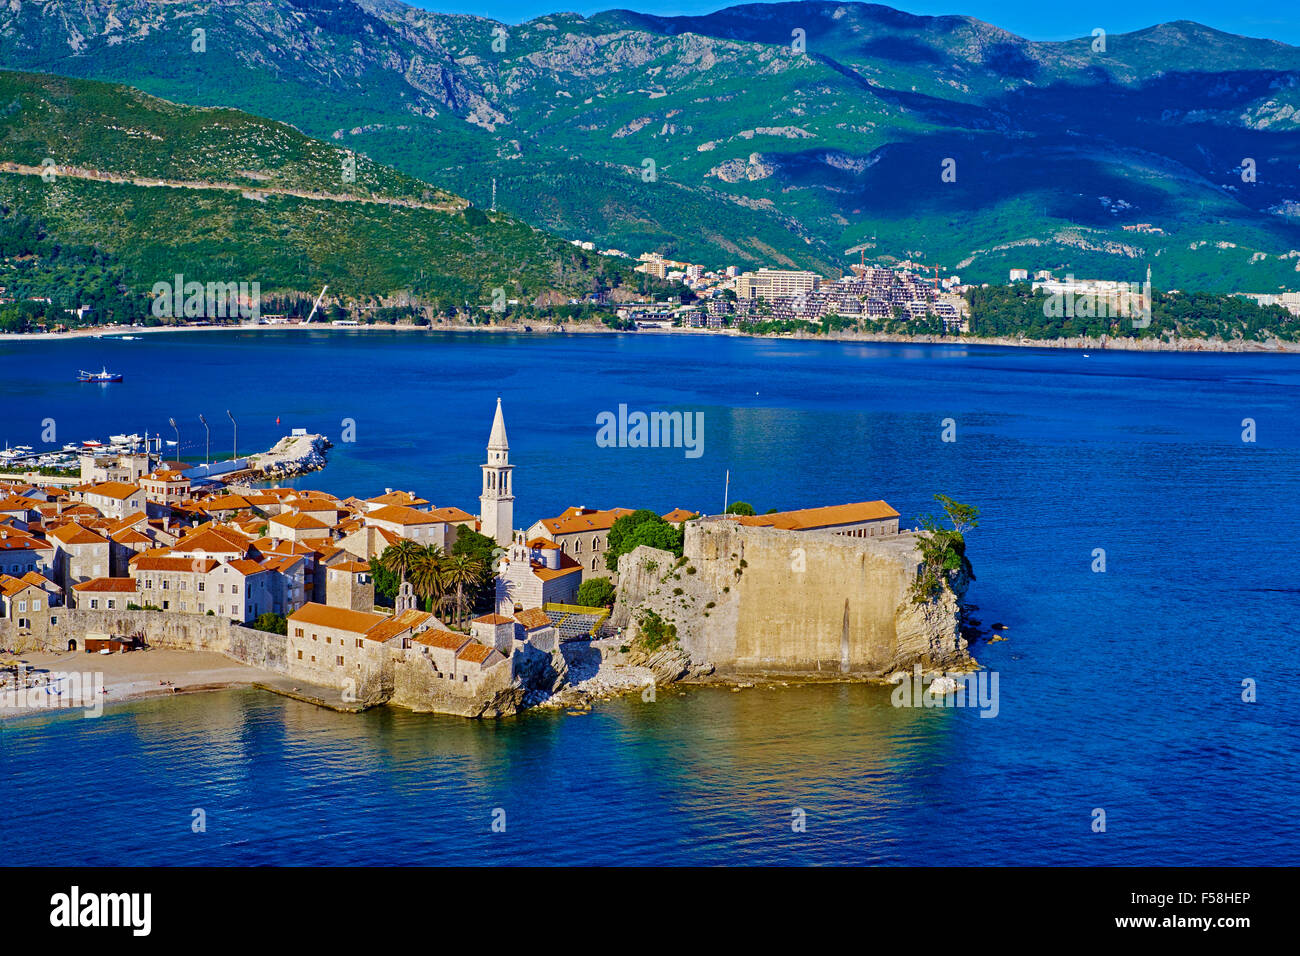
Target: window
(359, 642)
(328, 639)
(297, 632)
(22, 605)
(166, 585)
(577, 546)
(300, 655)
(234, 589)
(112, 605)
(340, 660)
(94, 604)
(202, 586)
(36, 604)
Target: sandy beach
(138, 674)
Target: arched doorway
(72, 644)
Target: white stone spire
(497, 440)
(497, 502)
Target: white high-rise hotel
(497, 502)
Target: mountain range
(803, 134)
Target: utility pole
(235, 451)
(207, 442)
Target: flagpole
(726, 494)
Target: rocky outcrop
(292, 455)
(764, 601)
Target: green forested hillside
(246, 199)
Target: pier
(296, 454)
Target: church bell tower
(497, 502)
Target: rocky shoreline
(291, 456)
(571, 327)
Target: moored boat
(102, 376)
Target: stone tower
(497, 502)
(350, 586)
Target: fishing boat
(92, 443)
(102, 376)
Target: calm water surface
(1119, 690)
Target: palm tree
(401, 557)
(458, 571)
(426, 573)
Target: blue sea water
(1119, 690)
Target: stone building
(113, 499)
(581, 533)
(349, 584)
(103, 594)
(860, 519)
(79, 555)
(533, 574)
(422, 527)
(21, 552)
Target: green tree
(596, 592)
(943, 550)
(427, 577)
(272, 623)
(740, 508)
(386, 582)
(461, 574)
(399, 558)
(485, 549)
(641, 527)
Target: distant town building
(775, 284)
